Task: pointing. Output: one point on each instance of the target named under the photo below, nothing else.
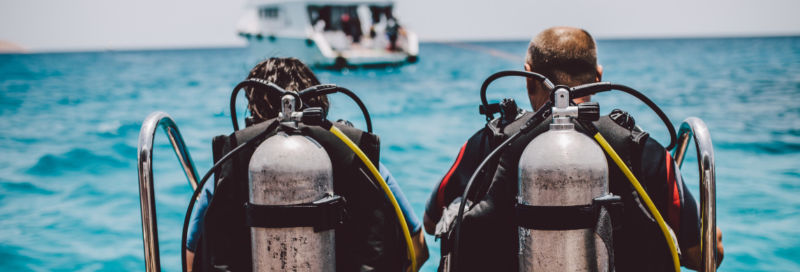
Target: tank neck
(562, 123)
(562, 111)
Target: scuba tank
(559, 169)
(287, 171)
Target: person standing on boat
(489, 239)
(351, 26)
(393, 32)
(367, 251)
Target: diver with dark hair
(368, 238)
(489, 233)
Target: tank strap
(567, 217)
(324, 214)
(603, 215)
(555, 217)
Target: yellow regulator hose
(652, 207)
(386, 189)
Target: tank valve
(562, 111)
(310, 116)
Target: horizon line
(422, 41)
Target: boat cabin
(328, 33)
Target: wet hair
(288, 73)
(565, 55)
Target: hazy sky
(61, 25)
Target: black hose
(326, 89)
(257, 83)
(535, 120)
(360, 105)
(203, 181)
(493, 77)
(322, 89)
(599, 87)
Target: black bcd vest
(489, 234)
(369, 239)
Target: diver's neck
(538, 100)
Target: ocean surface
(69, 125)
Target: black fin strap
(323, 214)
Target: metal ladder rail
(695, 128)
(146, 194)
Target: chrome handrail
(694, 127)
(146, 194)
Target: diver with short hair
(489, 241)
(363, 246)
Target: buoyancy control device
(562, 196)
(291, 208)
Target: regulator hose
(313, 91)
(326, 89)
(203, 181)
(580, 91)
(410, 245)
(493, 77)
(594, 88)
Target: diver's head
(288, 73)
(566, 56)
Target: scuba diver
(488, 236)
(369, 236)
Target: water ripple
(78, 160)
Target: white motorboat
(331, 33)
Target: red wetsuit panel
(440, 194)
(674, 205)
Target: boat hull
(317, 52)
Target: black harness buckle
(330, 212)
(613, 205)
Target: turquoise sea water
(69, 124)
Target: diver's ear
(529, 82)
(599, 72)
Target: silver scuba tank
(561, 167)
(289, 170)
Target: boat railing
(146, 193)
(695, 128)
